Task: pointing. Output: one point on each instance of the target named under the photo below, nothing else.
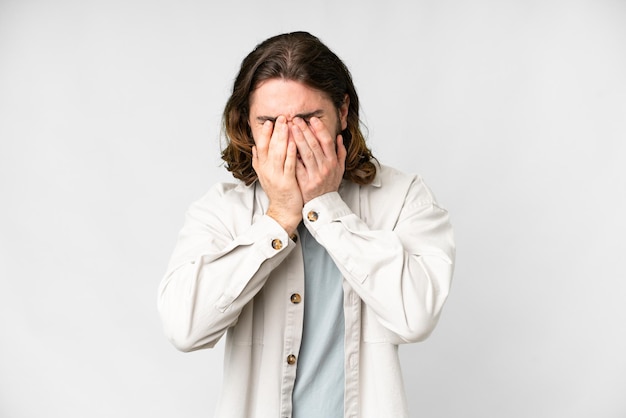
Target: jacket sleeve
(402, 273)
(215, 271)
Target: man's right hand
(274, 160)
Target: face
(275, 97)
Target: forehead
(276, 97)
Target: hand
(274, 158)
(320, 168)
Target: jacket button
(312, 216)
(291, 359)
(277, 244)
(296, 298)
(294, 237)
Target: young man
(319, 261)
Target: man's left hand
(320, 168)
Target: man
(319, 262)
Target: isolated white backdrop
(513, 111)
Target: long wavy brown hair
(302, 57)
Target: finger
(306, 154)
(255, 158)
(264, 139)
(324, 137)
(342, 152)
(279, 141)
(291, 159)
(302, 174)
(310, 145)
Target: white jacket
(235, 269)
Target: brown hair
(297, 56)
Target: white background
(513, 111)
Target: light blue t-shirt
(320, 380)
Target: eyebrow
(305, 116)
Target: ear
(343, 112)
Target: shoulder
(393, 183)
(223, 211)
(223, 201)
(227, 194)
(386, 174)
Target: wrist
(288, 221)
